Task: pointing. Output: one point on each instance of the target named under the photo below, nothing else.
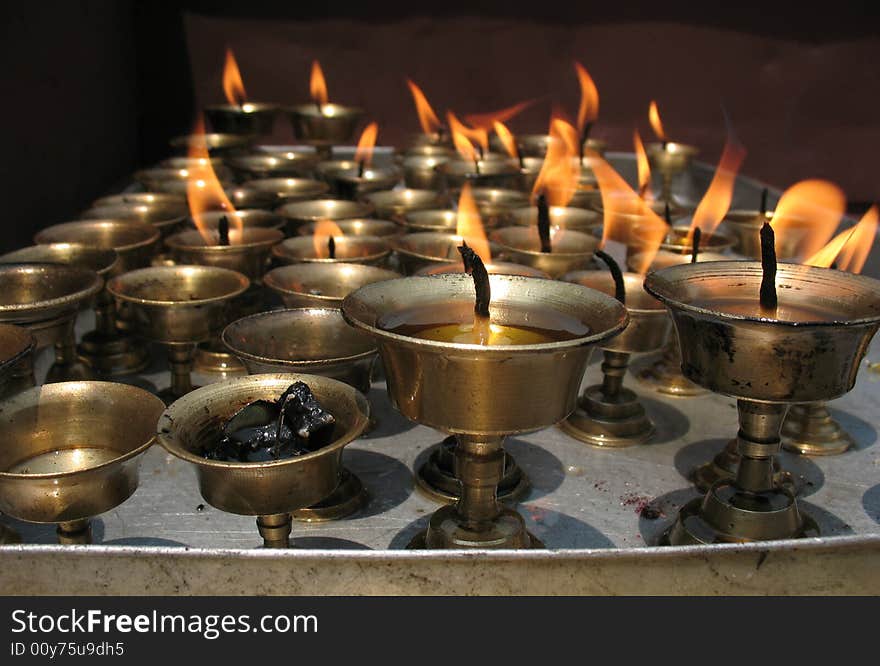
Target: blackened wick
(616, 275)
(474, 267)
(544, 223)
(768, 268)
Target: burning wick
(331, 247)
(441, 131)
(519, 157)
(696, 251)
(616, 275)
(768, 268)
(361, 168)
(477, 165)
(585, 135)
(319, 107)
(223, 230)
(544, 223)
(667, 214)
(474, 267)
(764, 193)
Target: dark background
(92, 89)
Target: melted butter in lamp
(746, 307)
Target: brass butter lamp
(482, 393)
(268, 490)
(806, 349)
(72, 451)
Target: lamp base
(75, 532)
(75, 371)
(445, 532)
(724, 465)
(811, 431)
(600, 422)
(728, 515)
(8, 535)
(665, 377)
(436, 476)
(110, 355)
(213, 357)
(350, 496)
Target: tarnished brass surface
(165, 217)
(248, 119)
(140, 198)
(252, 218)
(102, 261)
(314, 341)
(34, 293)
(275, 163)
(349, 249)
(352, 183)
(216, 144)
(420, 171)
(570, 249)
(289, 190)
(439, 219)
(322, 285)
(495, 268)
(481, 394)
(245, 198)
(677, 242)
(248, 252)
(396, 204)
(71, 450)
(262, 489)
(609, 414)
(495, 171)
(426, 248)
(133, 241)
(335, 123)
(495, 203)
(745, 226)
(303, 212)
(359, 227)
(16, 363)
(535, 145)
(577, 219)
(172, 178)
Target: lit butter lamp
(179, 307)
(170, 176)
(45, 299)
(238, 115)
(420, 171)
(321, 123)
(287, 190)
(167, 218)
(321, 284)
(434, 134)
(269, 490)
(329, 245)
(312, 341)
(216, 144)
(474, 164)
(608, 414)
(510, 363)
(668, 158)
(357, 180)
(768, 336)
(358, 227)
(398, 203)
(275, 163)
(72, 451)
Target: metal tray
(586, 505)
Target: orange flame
(588, 111)
(806, 216)
(560, 172)
(507, 138)
(716, 202)
(204, 192)
(469, 226)
(621, 207)
(463, 135)
(485, 121)
(318, 85)
(644, 168)
(364, 152)
(427, 118)
(324, 231)
(850, 248)
(654, 117)
(233, 86)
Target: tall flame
(324, 231)
(506, 137)
(654, 118)
(364, 152)
(485, 121)
(560, 172)
(318, 85)
(850, 248)
(621, 206)
(427, 118)
(233, 86)
(716, 202)
(644, 168)
(469, 226)
(806, 216)
(204, 192)
(588, 111)
(463, 135)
